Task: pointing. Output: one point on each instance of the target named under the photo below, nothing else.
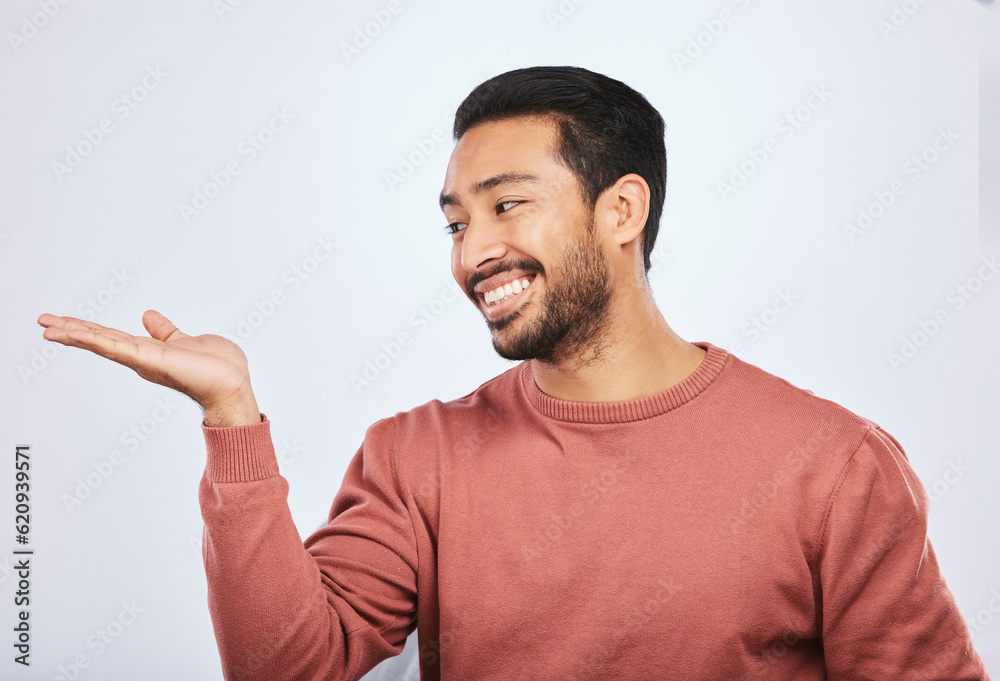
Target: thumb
(159, 327)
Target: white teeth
(502, 293)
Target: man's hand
(209, 369)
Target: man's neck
(640, 356)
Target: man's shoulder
(770, 397)
(486, 405)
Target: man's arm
(886, 610)
(331, 609)
(280, 611)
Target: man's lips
(498, 280)
(515, 291)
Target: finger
(51, 320)
(57, 328)
(99, 341)
(60, 326)
(161, 328)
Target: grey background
(719, 262)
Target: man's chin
(505, 343)
(511, 354)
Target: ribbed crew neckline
(632, 410)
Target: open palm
(209, 369)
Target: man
(622, 504)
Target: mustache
(528, 265)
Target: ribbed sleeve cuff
(240, 453)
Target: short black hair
(606, 129)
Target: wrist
(242, 412)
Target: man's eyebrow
(490, 183)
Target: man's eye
(502, 207)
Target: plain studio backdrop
(270, 171)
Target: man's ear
(624, 208)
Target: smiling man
(513, 195)
(620, 504)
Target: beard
(574, 310)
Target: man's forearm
(242, 410)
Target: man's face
(517, 215)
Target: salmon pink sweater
(732, 526)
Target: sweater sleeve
(886, 612)
(331, 608)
